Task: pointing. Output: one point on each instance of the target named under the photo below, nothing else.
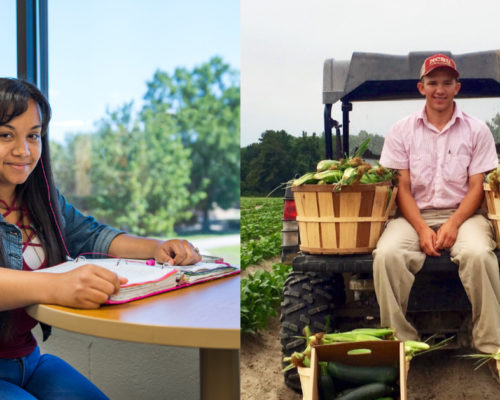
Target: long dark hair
(35, 192)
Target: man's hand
(428, 240)
(447, 235)
(177, 252)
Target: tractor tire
(309, 299)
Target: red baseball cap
(437, 61)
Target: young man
(441, 154)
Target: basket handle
(493, 216)
(391, 201)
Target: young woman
(39, 228)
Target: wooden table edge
(63, 318)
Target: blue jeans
(44, 377)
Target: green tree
(494, 125)
(274, 164)
(247, 154)
(307, 150)
(139, 177)
(279, 156)
(63, 165)
(205, 105)
(376, 142)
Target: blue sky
(102, 52)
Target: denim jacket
(83, 235)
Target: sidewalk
(215, 242)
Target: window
(109, 157)
(8, 57)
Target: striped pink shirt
(440, 162)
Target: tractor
(336, 292)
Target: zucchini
(325, 384)
(370, 391)
(360, 375)
(326, 388)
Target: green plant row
(260, 217)
(255, 251)
(261, 294)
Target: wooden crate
(381, 352)
(493, 206)
(345, 222)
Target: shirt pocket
(456, 169)
(421, 174)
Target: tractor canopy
(374, 76)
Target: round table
(206, 316)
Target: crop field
(260, 229)
(261, 291)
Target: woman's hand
(177, 252)
(88, 286)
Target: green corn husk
(383, 333)
(493, 179)
(324, 165)
(303, 359)
(362, 148)
(414, 345)
(348, 171)
(306, 178)
(414, 348)
(347, 337)
(482, 358)
(329, 176)
(369, 178)
(349, 176)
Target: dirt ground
(439, 375)
(436, 376)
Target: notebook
(146, 280)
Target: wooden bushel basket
(345, 222)
(493, 205)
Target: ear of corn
(493, 179)
(306, 178)
(329, 176)
(383, 333)
(369, 178)
(323, 165)
(347, 171)
(412, 348)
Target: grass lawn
(231, 254)
(205, 236)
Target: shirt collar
(457, 113)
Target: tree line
(277, 157)
(170, 163)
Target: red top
(22, 341)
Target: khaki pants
(398, 258)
